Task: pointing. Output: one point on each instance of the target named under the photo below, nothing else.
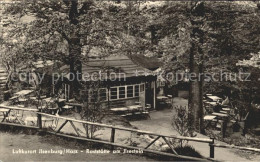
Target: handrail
(129, 129)
(17, 108)
(113, 128)
(236, 147)
(205, 140)
(131, 147)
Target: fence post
(39, 119)
(112, 138)
(211, 146)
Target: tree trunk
(74, 49)
(196, 69)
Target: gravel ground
(160, 122)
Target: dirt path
(160, 122)
(10, 142)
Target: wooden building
(121, 82)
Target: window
(113, 93)
(136, 90)
(103, 94)
(121, 92)
(130, 91)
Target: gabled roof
(151, 63)
(114, 63)
(120, 65)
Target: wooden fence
(41, 118)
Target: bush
(182, 123)
(186, 151)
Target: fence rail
(237, 147)
(42, 117)
(131, 130)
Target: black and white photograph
(129, 80)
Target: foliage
(186, 151)
(182, 122)
(62, 30)
(92, 109)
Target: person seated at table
(217, 107)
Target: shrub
(186, 150)
(181, 122)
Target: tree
(65, 30)
(216, 40)
(196, 65)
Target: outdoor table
(134, 107)
(220, 114)
(226, 109)
(209, 120)
(211, 103)
(137, 103)
(36, 98)
(49, 99)
(61, 100)
(214, 98)
(14, 98)
(22, 100)
(33, 98)
(224, 112)
(119, 109)
(23, 92)
(67, 107)
(71, 100)
(162, 97)
(209, 117)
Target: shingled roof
(121, 65)
(115, 63)
(151, 63)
